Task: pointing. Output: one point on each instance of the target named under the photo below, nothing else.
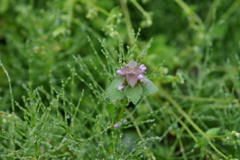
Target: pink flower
(140, 77)
(121, 87)
(119, 123)
(119, 72)
(131, 73)
(142, 67)
(116, 125)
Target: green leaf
(134, 94)
(203, 141)
(212, 132)
(112, 90)
(150, 88)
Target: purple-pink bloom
(140, 77)
(142, 67)
(121, 87)
(119, 72)
(131, 73)
(119, 123)
(116, 125)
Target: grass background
(52, 87)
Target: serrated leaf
(112, 90)
(150, 88)
(134, 94)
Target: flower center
(131, 70)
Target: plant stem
(195, 18)
(70, 12)
(127, 20)
(135, 124)
(138, 130)
(139, 7)
(121, 113)
(184, 126)
(199, 98)
(230, 10)
(194, 125)
(10, 86)
(175, 104)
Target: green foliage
(209, 134)
(134, 94)
(113, 92)
(150, 88)
(59, 96)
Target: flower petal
(140, 77)
(142, 67)
(131, 79)
(137, 71)
(121, 87)
(120, 72)
(132, 64)
(125, 70)
(116, 125)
